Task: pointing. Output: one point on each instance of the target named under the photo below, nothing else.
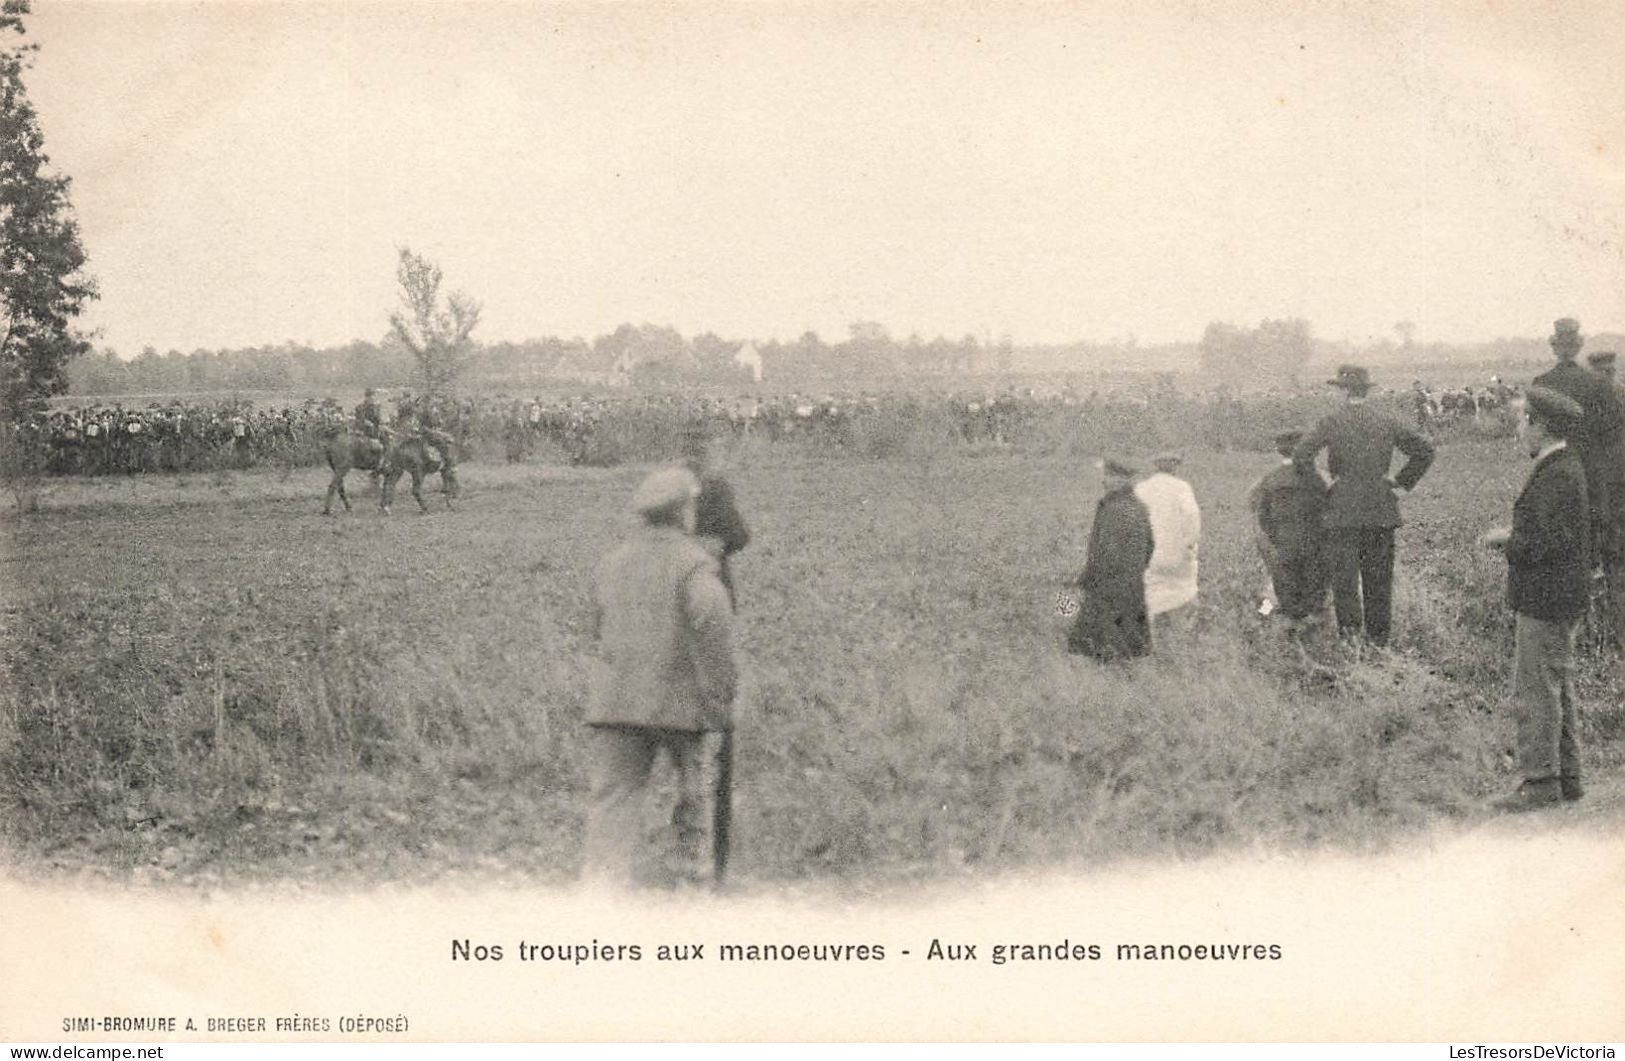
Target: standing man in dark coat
(1614, 558)
(1289, 508)
(1112, 621)
(1362, 510)
(1548, 574)
(717, 522)
(1597, 442)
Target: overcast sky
(244, 172)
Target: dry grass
(207, 680)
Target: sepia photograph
(801, 521)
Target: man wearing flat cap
(1176, 527)
(1112, 623)
(1598, 443)
(1288, 507)
(1361, 509)
(667, 676)
(1547, 550)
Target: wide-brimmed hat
(664, 490)
(1117, 466)
(1601, 358)
(1287, 441)
(1560, 413)
(1356, 379)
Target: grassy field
(209, 682)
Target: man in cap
(1361, 509)
(1112, 622)
(1289, 507)
(663, 624)
(1176, 529)
(717, 522)
(1548, 573)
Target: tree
(1273, 353)
(42, 284)
(438, 338)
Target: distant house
(750, 359)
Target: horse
(419, 457)
(348, 450)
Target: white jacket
(1176, 531)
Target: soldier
(1176, 528)
(1547, 550)
(717, 522)
(1362, 511)
(1112, 622)
(1289, 508)
(369, 419)
(663, 625)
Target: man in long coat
(717, 522)
(1548, 575)
(1361, 511)
(667, 677)
(1602, 362)
(1596, 440)
(1112, 621)
(1289, 508)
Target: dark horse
(420, 456)
(413, 455)
(350, 450)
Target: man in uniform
(1548, 573)
(1289, 508)
(1176, 528)
(717, 522)
(664, 632)
(1362, 511)
(368, 417)
(1112, 622)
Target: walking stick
(722, 808)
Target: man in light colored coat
(667, 676)
(1176, 527)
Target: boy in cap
(663, 624)
(1547, 550)
(1112, 622)
(1176, 529)
(1288, 508)
(1362, 511)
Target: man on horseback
(369, 423)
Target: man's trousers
(1543, 697)
(622, 757)
(1362, 569)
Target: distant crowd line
(192, 435)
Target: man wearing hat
(667, 676)
(1176, 529)
(1597, 442)
(1602, 362)
(1361, 508)
(1548, 574)
(717, 522)
(1112, 622)
(1289, 507)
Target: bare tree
(440, 339)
